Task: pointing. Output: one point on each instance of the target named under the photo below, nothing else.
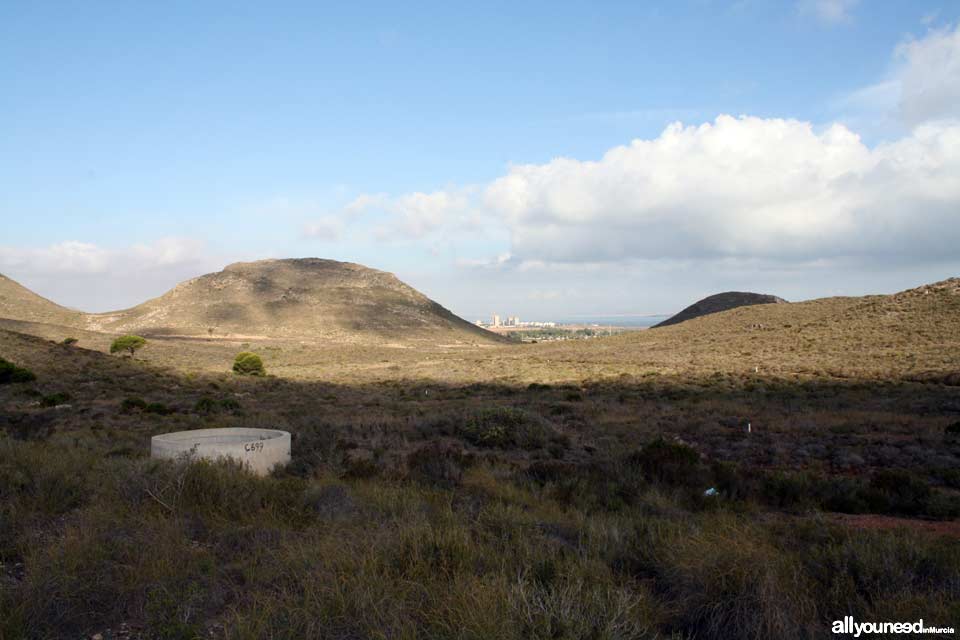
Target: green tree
(248, 364)
(129, 344)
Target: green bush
(672, 463)
(69, 342)
(208, 405)
(12, 374)
(54, 399)
(248, 364)
(158, 408)
(129, 344)
(893, 491)
(507, 427)
(437, 463)
(132, 404)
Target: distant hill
(301, 299)
(913, 334)
(720, 302)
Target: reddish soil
(949, 528)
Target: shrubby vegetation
(128, 345)
(524, 510)
(12, 374)
(248, 364)
(454, 549)
(508, 427)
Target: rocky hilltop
(303, 299)
(720, 302)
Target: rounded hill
(720, 302)
(308, 298)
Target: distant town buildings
(513, 322)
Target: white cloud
(743, 188)
(92, 277)
(485, 263)
(417, 214)
(739, 187)
(64, 257)
(829, 12)
(930, 76)
(326, 228)
(922, 85)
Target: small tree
(128, 344)
(248, 364)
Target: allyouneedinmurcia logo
(849, 626)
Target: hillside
(914, 334)
(19, 303)
(305, 299)
(720, 302)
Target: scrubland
(517, 491)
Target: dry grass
(536, 491)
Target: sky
(547, 160)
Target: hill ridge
(297, 298)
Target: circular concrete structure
(260, 450)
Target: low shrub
(508, 427)
(602, 485)
(131, 404)
(900, 492)
(12, 374)
(671, 463)
(438, 463)
(950, 477)
(158, 408)
(208, 405)
(248, 364)
(724, 579)
(54, 399)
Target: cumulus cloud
(739, 187)
(829, 12)
(923, 83)
(929, 75)
(416, 214)
(98, 278)
(764, 191)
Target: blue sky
(142, 143)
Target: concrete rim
(220, 436)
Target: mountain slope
(19, 303)
(304, 299)
(720, 302)
(914, 334)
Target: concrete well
(260, 450)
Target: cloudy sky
(551, 160)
